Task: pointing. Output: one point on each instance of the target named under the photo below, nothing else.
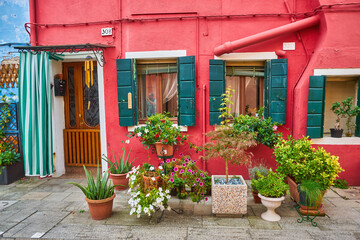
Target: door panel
(82, 122)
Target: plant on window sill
(345, 109)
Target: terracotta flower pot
(100, 209)
(151, 180)
(120, 179)
(256, 196)
(294, 193)
(164, 150)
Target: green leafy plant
(312, 192)
(271, 185)
(341, 183)
(345, 109)
(8, 155)
(257, 170)
(298, 159)
(159, 128)
(264, 130)
(96, 189)
(120, 165)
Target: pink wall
(332, 44)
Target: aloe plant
(120, 165)
(96, 190)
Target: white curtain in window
(233, 82)
(170, 86)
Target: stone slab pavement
(51, 209)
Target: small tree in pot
(344, 109)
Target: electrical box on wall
(59, 84)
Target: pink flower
(197, 179)
(174, 159)
(167, 160)
(184, 164)
(180, 154)
(189, 170)
(172, 174)
(186, 160)
(181, 171)
(171, 180)
(206, 198)
(202, 194)
(201, 184)
(176, 169)
(275, 127)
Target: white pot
(271, 204)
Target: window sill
(182, 128)
(327, 140)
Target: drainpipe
(259, 37)
(32, 8)
(204, 125)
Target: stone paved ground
(51, 209)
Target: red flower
(157, 135)
(178, 138)
(165, 140)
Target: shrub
(271, 185)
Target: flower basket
(164, 150)
(151, 180)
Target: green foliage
(345, 109)
(225, 106)
(255, 171)
(96, 190)
(120, 165)
(271, 185)
(159, 128)
(313, 192)
(264, 129)
(298, 159)
(341, 183)
(8, 155)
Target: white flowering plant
(145, 200)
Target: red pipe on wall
(275, 32)
(32, 10)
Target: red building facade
(297, 40)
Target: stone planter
(12, 173)
(271, 204)
(228, 199)
(120, 179)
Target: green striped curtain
(35, 114)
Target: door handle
(129, 100)
(81, 119)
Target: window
(323, 92)
(257, 84)
(248, 83)
(157, 89)
(147, 87)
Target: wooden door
(82, 121)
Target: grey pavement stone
(15, 216)
(279, 234)
(38, 222)
(75, 196)
(341, 212)
(338, 224)
(216, 233)
(81, 218)
(124, 218)
(35, 195)
(6, 204)
(57, 196)
(53, 205)
(331, 194)
(335, 235)
(171, 219)
(259, 223)
(13, 194)
(155, 232)
(104, 232)
(225, 222)
(76, 206)
(290, 223)
(339, 202)
(65, 231)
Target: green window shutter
(357, 129)
(316, 105)
(217, 85)
(186, 91)
(126, 83)
(275, 103)
(266, 86)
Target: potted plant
(12, 168)
(255, 173)
(147, 200)
(99, 194)
(344, 109)
(299, 161)
(229, 196)
(119, 169)
(271, 191)
(160, 132)
(311, 194)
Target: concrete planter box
(228, 199)
(12, 173)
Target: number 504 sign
(106, 32)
